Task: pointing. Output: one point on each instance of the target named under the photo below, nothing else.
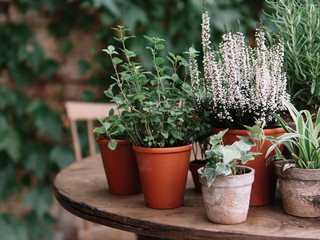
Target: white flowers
(241, 84)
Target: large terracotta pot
(264, 185)
(227, 199)
(163, 174)
(300, 190)
(120, 167)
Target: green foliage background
(34, 144)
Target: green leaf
(158, 60)
(39, 227)
(112, 144)
(229, 154)
(159, 46)
(40, 198)
(106, 126)
(37, 162)
(83, 66)
(11, 143)
(165, 134)
(117, 60)
(139, 97)
(61, 155)
(12, 228)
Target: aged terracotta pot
(300, 190)
(227, 199)
(264, 185)
(163, 173)
(193, 167)
(120, 167)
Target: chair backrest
(88, 112)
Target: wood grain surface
(81, 188)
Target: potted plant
(117, 156)
(299, 177)
(161, 119)
(296, 22)
(243, 85)
(226, 186)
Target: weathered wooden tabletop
(81, 188)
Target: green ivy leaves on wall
(33, 141)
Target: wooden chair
(89, 112)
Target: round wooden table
(81, 189)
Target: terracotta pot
(227, 199)
(163, 174)
(264, 185)
(193, 167)
(300, 190)
(120, 167)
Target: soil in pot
(227, 199)
(264, 185)
(300, 190)
(120, 167)
(163, 173)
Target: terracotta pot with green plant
(299, 177)
(241, 86)
(226, 186)
(161, 119)
(117, 155)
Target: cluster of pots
(162, 175)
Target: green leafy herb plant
(158, 103)
(303, 142)
(223, 159)
(297, 23)
(112, 128)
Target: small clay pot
(227, 199)
(163, 174)
(120, 167)
(300, 190)
(193, 167)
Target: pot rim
(223, 181)
(276, 129)
(105, 141)
(163, 150)
(304, 174)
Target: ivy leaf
(61, 155)
(36, 162)
(12, 228)
(39, 226)
(48, 68)
(8, 181)
(83, 66)
(112, 144)
(40, 198)
(11, 143)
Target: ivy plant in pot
(226, 186)
(161, 119)
(299, 177)
(117, 156)
(244, 85)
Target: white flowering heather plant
(240, 83)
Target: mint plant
(112, 128)
(157, 103)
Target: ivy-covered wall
(50, 51)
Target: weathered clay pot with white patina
(300, 190)
(227, 199)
